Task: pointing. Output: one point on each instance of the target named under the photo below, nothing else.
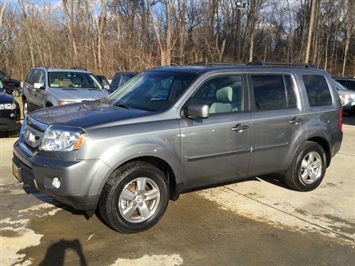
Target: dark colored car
(10, 112)
(120, 78)
(347, 82)
(12, 86)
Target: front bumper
(81, 181)
(10, 123)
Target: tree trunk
(310, 31)
(349, 32)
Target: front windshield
(151, 91)
(1, 85)
(72, 79)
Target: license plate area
(16, 171)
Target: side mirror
(107, 87)
(38, 86)
(197, 111)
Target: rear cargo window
(317, 90)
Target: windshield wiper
(122, 106)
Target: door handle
(240, 128)
(296, 120)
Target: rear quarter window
(317, 89)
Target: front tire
(308, 167)
(134, 197)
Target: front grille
(32, 132)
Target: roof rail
(259, 63)
(204, 63)
(80, 68)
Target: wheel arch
(162, 165)
(325, 145)
(174, 186)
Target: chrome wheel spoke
(127, 195)
(304, 164)
(152, 194)
(317, 164)
(141, 183)
(128, 212)
(144, 211)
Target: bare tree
(310, 30)
(2, 10)
(349, 31)
(69, 18)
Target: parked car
(46, 87)
(120, 78)
(12, 86)
(175, 129)
(347, 82)
(10, 112)
(104, 81)
(347, 98)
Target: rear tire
(308, 167)
(134, 197)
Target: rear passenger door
(277, 122)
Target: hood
(5, 97)
(13, 81)
(78, 94)
(86, 114)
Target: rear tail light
(341, 120)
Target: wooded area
(105, 36)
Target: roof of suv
(208, 67)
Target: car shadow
(48, 199)
(275, 179)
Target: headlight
(8, 106)
(56, 139)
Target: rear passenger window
(317, 90)
(272, 92)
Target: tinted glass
(65, 79)
(34, 76)
(222, 94)
(151, 91)
(272, 92)
(317, 90)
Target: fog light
(56, 182)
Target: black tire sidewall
(114, 216)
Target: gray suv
(46, 87)
(174, 129)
